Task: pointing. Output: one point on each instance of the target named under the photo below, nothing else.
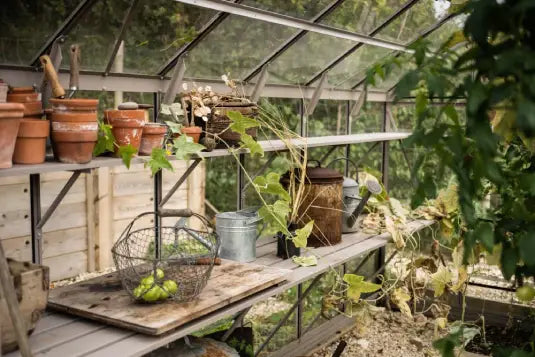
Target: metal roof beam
(289, 21)
(91, 80)
(64, 28)
(316, 96)
(260, 84)
(374, 32)
(174, 84)
(293, 39)
(126, 22)
(207, 28)
(424, 34)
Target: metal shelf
(270, 145)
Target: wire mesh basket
(169, 263)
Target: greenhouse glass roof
(297, 42)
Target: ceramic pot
(152, 137)
(30, 147)
(10, 116)
(74, 129)
(193, 132)
(126, 126)
(29, 98)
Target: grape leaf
(271, 184)
(301, 235)
(241, 123)
(105, 139)
(127, 152)
(185, 147)
(158, 160)
(400, 297)
(357, 286)
(254, 147)
(276, 214)
(305, 261)
(440, 279)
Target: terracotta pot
(74, 129)
(30, 147)
(10, 116)
(30, 98)
(152, 137)
(127, 126)
(193, 132)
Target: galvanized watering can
(350, 198)
(238, 234)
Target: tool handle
(353, 218)
(74, 56)
(52, 76)
(166, 212)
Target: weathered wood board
(103, 298)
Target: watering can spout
(374, 188)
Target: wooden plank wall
(79, 235)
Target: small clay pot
(126, 126)
(74, 129)
(30, 98)
(152, 137)
(193, 132)
(10, 116)
(30, 147)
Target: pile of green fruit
(151, 291)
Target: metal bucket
(238, 234)
(350, 204)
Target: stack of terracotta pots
(30, 147)
(10, 116)
(127, 126)
(74, 129)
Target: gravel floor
(388, 334)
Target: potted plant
(179, 123)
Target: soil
(516, 336)
(388, 334)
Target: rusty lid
(319, 175)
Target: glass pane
(158, 29)
(306, 57)
(26, 25)
(350, 70)
(362, 16)
(329, 118)
(444, 32)
(369, 119)
(235, 47)
(409, 25)
(304, 9)
(96, 33)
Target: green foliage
(240, 124)
(459, 336)
(306, 261)
(357, 286)
(185, 147)
(270, 184)
(158, 160)
(127, 152)
(302, 234)
(105, 139)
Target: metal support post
(174, 83)
(348, 147)
(180, 181)
(259, 86)
(299, 319)
(240, 178)
(157, 189)
(316, 95)
(237, 321)
(35, 217)
(38, 221)
(287, 315)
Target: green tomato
(138, 291)
(525, 293)
(170, 286)
(148, 281)
(163, 294)
(153, 294)
(159, 273)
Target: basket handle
(166, 212)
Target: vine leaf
(305, 261)
(254, 147)
(271, 184)
(127, 152)
(174, 127)
(105, 139)
(485, 233)
(301, 235)
(440, 279)
(241, 123)
(462, 278)
(357, 286)
(400, 297)
(185, 147)
(276, 214)
(158, 160)
(391, 228)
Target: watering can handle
(350, 161)
(166, 212)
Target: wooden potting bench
(64, 335)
